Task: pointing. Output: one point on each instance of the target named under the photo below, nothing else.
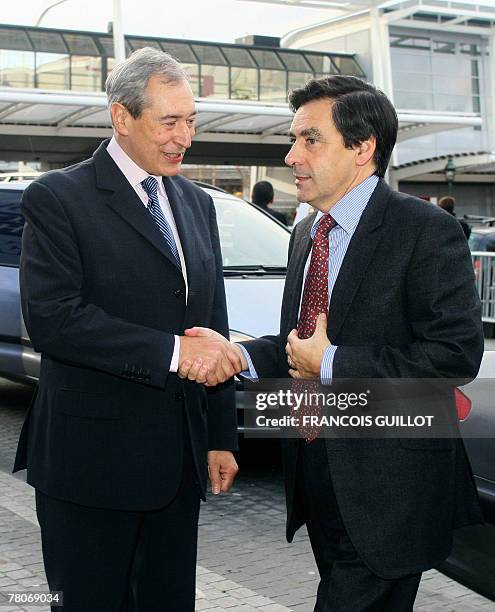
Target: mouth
(174, 157)
(300, 179)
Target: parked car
(254, 249)
(482, 238)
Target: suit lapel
(357, 259)
(125, 202)
(295, 274)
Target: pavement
(244, 562)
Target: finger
(184, 368)
(216, 481)
(295, 373)
(228, 479)
(198, 332)
(193, 372)
(289, 350)
(235, 361)
(202, 374)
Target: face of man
(159, 137)
(324, 169)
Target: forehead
(314, 114)
(175, 97)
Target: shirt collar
(132, 172)
(348, 210)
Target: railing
(484, 270)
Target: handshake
(208, 358)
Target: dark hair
(262, 193)
(359, 111)
(447, 203)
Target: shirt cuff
(326, 368)
(174, 362)
(251, 372)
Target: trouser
(119, 561)
(346, 583)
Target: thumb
(196, 332)
(321, 323)
(215, 478)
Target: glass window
(267, 59)
(298, 79)
(469, 48)
(51, 42)
(273, 85)
(15, 39)
(452, 103)
(414, 81)
(16, 68)
(410, 61)
(248, 237)
(85, 73)
(348, 65)
(52, 71)
(322, 64)
(294, 61)
(79, 44)
(214, 82)
(239, 57)
(410, 42)
(209, 55)
(11, 226)
(181, 51)
(244, 83)
(411, 100)
(139, 43)
(106, 44)
(442, 46)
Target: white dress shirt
(135, 175)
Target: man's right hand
(207, 357)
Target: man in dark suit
(119, 256)
(394, 275)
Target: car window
(249, 237)
(11, 225)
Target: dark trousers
(118, 561)
(346, 584)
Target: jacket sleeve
(444, 313)
(59, 322)
(222, 415)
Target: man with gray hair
(120, 255)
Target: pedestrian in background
(262, 195)
(448, 204)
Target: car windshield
(248, 237)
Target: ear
(365, 151)
(120, 118)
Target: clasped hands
(208, 358)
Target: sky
(213, 20)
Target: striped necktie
(150, 185)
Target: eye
(311, 141)
(191, 122)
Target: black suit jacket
(102, 299)
(404, 306)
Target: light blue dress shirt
(347, 213)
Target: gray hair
(128, 80)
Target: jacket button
(178, 292)
(178, 396)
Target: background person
(263, 195)
(448, 204)
(119, 254)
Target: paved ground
(244, 563)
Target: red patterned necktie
(314, 302)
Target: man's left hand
(304, 356)
(222, 469)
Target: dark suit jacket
(404, 306)
(102, 299)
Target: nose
(184, 134)
(292, 156)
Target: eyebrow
(312, 132)
(191, 116)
